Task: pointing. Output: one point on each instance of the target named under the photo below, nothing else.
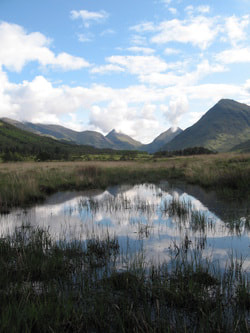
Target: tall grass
(26, 183)
(49, 286)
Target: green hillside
(123, 141)
(17, 144)
(113, 140)
(161, 140)
(95, 139)
(224, 126)
(91, 138)
(243, 147)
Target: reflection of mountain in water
(140, 212)
(115, 190)
(61, 197)
(225, 210)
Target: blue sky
(137, 66)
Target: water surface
(158, 218)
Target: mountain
(224, 126)
(17, 124)
(14, 140)
(243, 147)
(123, 141)
(162, 139)
(113, 140)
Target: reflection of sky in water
(136, 214)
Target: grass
(94, 285)
(26, 183)
(49, 286)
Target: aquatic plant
(60, 286)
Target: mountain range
(225, 127)
(113, 140)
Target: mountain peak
(227, 101)
(122, 141)
(222, 127)
(174, 129)
(113, 131)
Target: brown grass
(27, 182)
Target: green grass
(50, 286)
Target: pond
(158, 218)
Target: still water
(157, 218)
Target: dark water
(158, 218)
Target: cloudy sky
(139, 66)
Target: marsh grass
(50, 286)
(178, 208)
(26, 183)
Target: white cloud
(178, 106)
(107, 32)
(214, 92)
(173, 10)
(161, 79)
(170, 51)
(112, 116)
(87, 17)
(69, 62)
(139, 49)
(199, 31)
(83, 38)
(189, 9)
(247, 86)
(139, 64)
(148, 111)
(18, 48)
(188, 78)
(235, 55)
(194, 117)
(235, 28)
(39, 99)
(203, 9)
(131, 110)
(7, 107)
(138, 40)
(132, 121)
(143, 27)
(166, 2)
(110, 68)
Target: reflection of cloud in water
(134, 213)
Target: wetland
(130, 247)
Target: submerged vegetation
(26, 183)
(92, 286)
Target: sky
(137, 66)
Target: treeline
(185, 152)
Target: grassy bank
(26, 183)
(77, 287)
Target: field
(25, 183)
(76, 286)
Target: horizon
(140, 68)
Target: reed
(50, 286)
